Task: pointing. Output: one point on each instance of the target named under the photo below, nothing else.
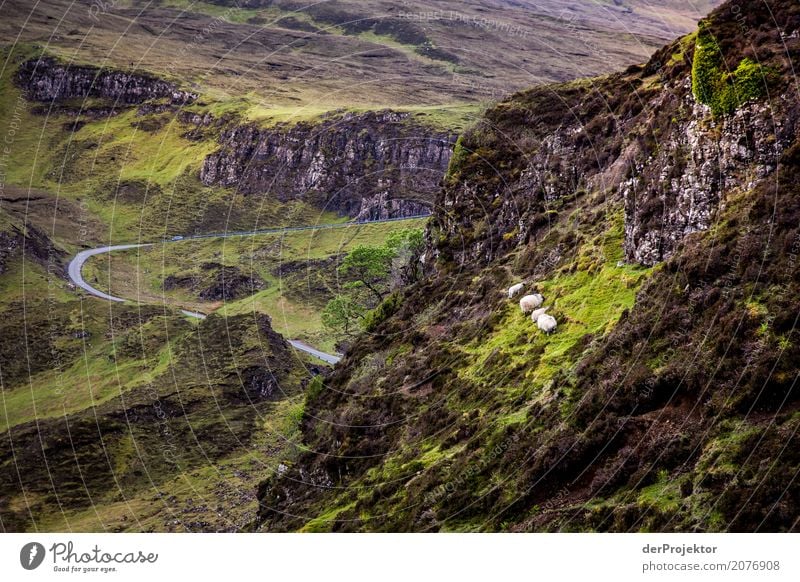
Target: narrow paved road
(76, 267)
(330, 358)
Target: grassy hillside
(135, 174)
(297, 59)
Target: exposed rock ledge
(367, 165)
(47, 80)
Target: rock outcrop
(215, 282)
(47, 80)
(642, 133)
(368, 166)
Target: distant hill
(344, 53)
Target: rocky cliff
(642, 134)
(49, 80)
(666, 398)
(367, 166)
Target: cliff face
(666, 398)
(368, 166)
(48, 80)
(641, 134)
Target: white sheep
(530, 302)
(547, 323)
(513, 290)
(537, 313)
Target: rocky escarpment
(666, 399)
(47, 80)
(368, 166)
(642, 133)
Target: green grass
(141, 272)
(30, 282)
(717, 457)
(235, 15)
(29, 145)
(158, 157)
(252, 107)
(685, 43)
(663, 495)
(96, 377)
(323, 523)
(585, 298)
(455, 117)
(195, 492)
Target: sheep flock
(532, 304)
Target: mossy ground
(586, 297)
(723, 90)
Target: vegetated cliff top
(657, 211)
(319, 56)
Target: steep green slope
(663, 234)
(133, 417)
(160, 427)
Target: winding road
(75, 268)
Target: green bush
(705, 67)
(382, 312)
(749, 78)
(723, 92)
(315, 388)
(457, 159)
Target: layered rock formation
(368, 166)
(48, 80)
(641, 133)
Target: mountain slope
(300, 58)
(657, 211)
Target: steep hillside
(657, 212)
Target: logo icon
(31, 555)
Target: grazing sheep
(547, 323)
(515, 289)
(537, 313)
(530, 302)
